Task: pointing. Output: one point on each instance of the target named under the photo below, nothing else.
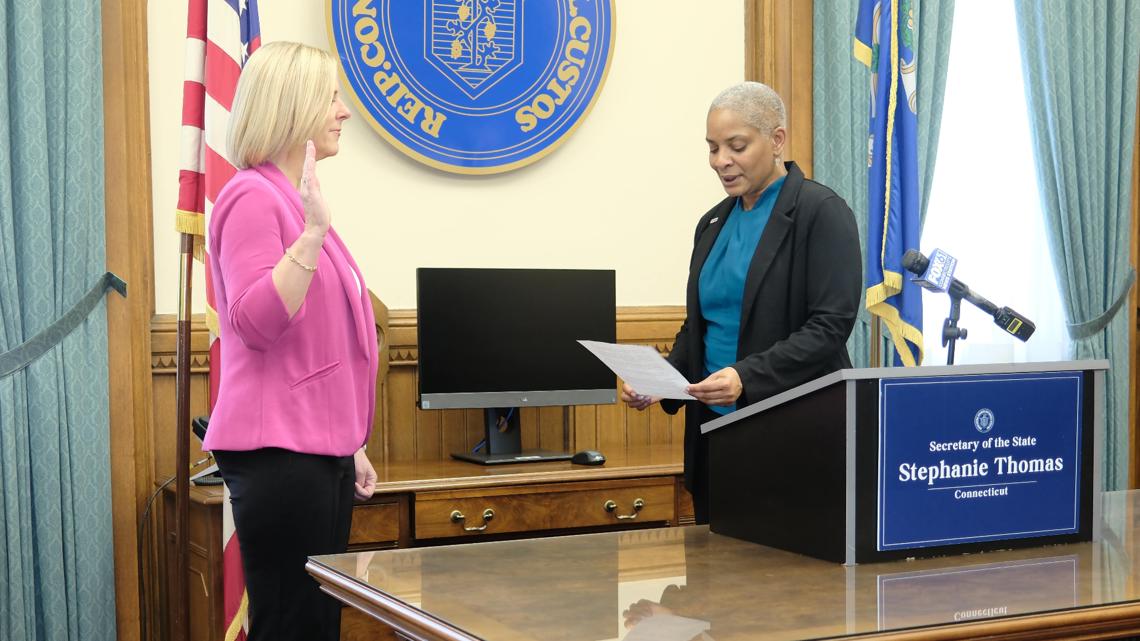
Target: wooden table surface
(690, 582)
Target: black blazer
(801, 296)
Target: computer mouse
(588, 457)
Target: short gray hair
(757, 103)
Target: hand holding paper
(722, 387)
(642, 368)
(632, 398)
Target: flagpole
(876, 359)
(180, 593)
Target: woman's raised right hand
(317, 216)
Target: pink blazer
(306, 383)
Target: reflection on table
(687, 583)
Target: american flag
(220, 36)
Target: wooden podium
(866, 465)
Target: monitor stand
(503, 442)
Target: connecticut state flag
(885, 42)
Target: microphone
(937, 276)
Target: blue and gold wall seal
(473, 86)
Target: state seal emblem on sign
(984, 420)
(473, 86)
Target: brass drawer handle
(457, 517)
(610, 506)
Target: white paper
(209, 470)
(642, 368)
(667, 627)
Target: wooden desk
(530, 498)
(578, 587)
(415, 501)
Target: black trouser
(288, 506)
(700, 469)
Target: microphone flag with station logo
(937, 274)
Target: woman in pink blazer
(298, 366)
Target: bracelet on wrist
(308, 268)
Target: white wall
(623, 192)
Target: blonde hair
(757, 103)
(281, 101)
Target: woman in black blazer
(775, 266)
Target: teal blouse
(721, 284)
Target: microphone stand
(950, 330)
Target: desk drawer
(551, 506)
(376, 524)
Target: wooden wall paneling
(400, 428)
(428, 432)
(129, 253)
(164, 334)
(528, 423)
(611, 427)
(778, 52)
(377, 439)
(553, 428)
(454, 424)
(660, 426)
(656, 325)
(636, 425)
(531, 425)
(402, 414)
(584, 432)
(473, 422)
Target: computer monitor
(503, 339)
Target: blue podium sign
(965, 459)
(473, 86)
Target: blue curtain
(56, 558)
(1080, 64)
(841, 107)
